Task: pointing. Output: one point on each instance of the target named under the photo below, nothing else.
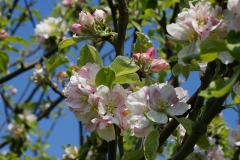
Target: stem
(112, 150)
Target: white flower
(71, 152)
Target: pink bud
(136, 57)
(66, 3)
(151, 52)
(145, 58)
(99, 15)
(3, 34)
(85, 19)
(76, 28)
(158, 65)
(14, 91)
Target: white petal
(108, 133)
(157, 117)
(225, 57)
(178, 109)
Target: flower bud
(14, 91)
(66, 3)
(99, 15)
(85, 19)
(151, 52)
(76, 28)
(3, 34)
(158, 65)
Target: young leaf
(218, 88)
(127, 78)
(4, 59)
(136, 25)
(16, 39)
(211, 45)
(151, 145)
(233, 44)
(89, 54)
(142, 43)
(186, 71)
(105, 77)
(179, 69)
(56, 60)
(136, 154)
(178, 41)
(123, 65)
(71, 41)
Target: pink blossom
(14, 91)
(77, 29)
(3, 34)
(144, 58)
(99, 15)
(158, 65)
(154, 102)
(85, 19)
(215, 152)
(66, 3)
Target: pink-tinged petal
(143, 132)
(168, 93)
(151, 52)
(182, 94)
(157, 65)
(178, 31)
(108, 133)
(99, 15)
(157, 117)
(77, 29)
(178, 108)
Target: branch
(200, 127)
(48, 110)
(123, 22)
(9, 14)
(114, 18)
(27, 67)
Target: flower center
(162, 105)
(94, 108)
(84, 99)
(213, 35)
(192, 36)
(110, 107)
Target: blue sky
(66, 129)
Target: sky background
(66, 131)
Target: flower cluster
(152, 104)
(49, 29)
(202, 20)
(70, 3)
(90, 24)
(97, 107)
(148, 63)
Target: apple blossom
(144, 58)
(77, 29)
(14, 91)
(99, 15)
(234, 5)
(3, 34)
(80, 86)
(27, 116)
(48, 27)
(16, 129)
(215, 152)
(71, 152)
(152, 104)
(85, 19)
(158, 65)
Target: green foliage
(233, 44)
(184, 70)
(151, 145)
(219, 87)
(16, 39)
(4, 59)
(89, 54)
(136, 154)
(105, 77)
(72, 41)
(188, 124)
(142, 43)
(178, 41)
(55, 61)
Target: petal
(178, 108)
(157, 117)
(108, 133)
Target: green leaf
(123, 65)
(89, 54)
(36, 13)
(71, 41)
(56, 60)
(127, 78)
(178, 69)
(233, 44)
(105, 77)
(188, 124)
(208, 57)
(236, 100)
(16, 39)
(178, 41)
(220, 87)
(136, 25)
(4, 59)
(142, 43)
(151, 145)
(186, 71)
(136, 154)
(3, 21)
